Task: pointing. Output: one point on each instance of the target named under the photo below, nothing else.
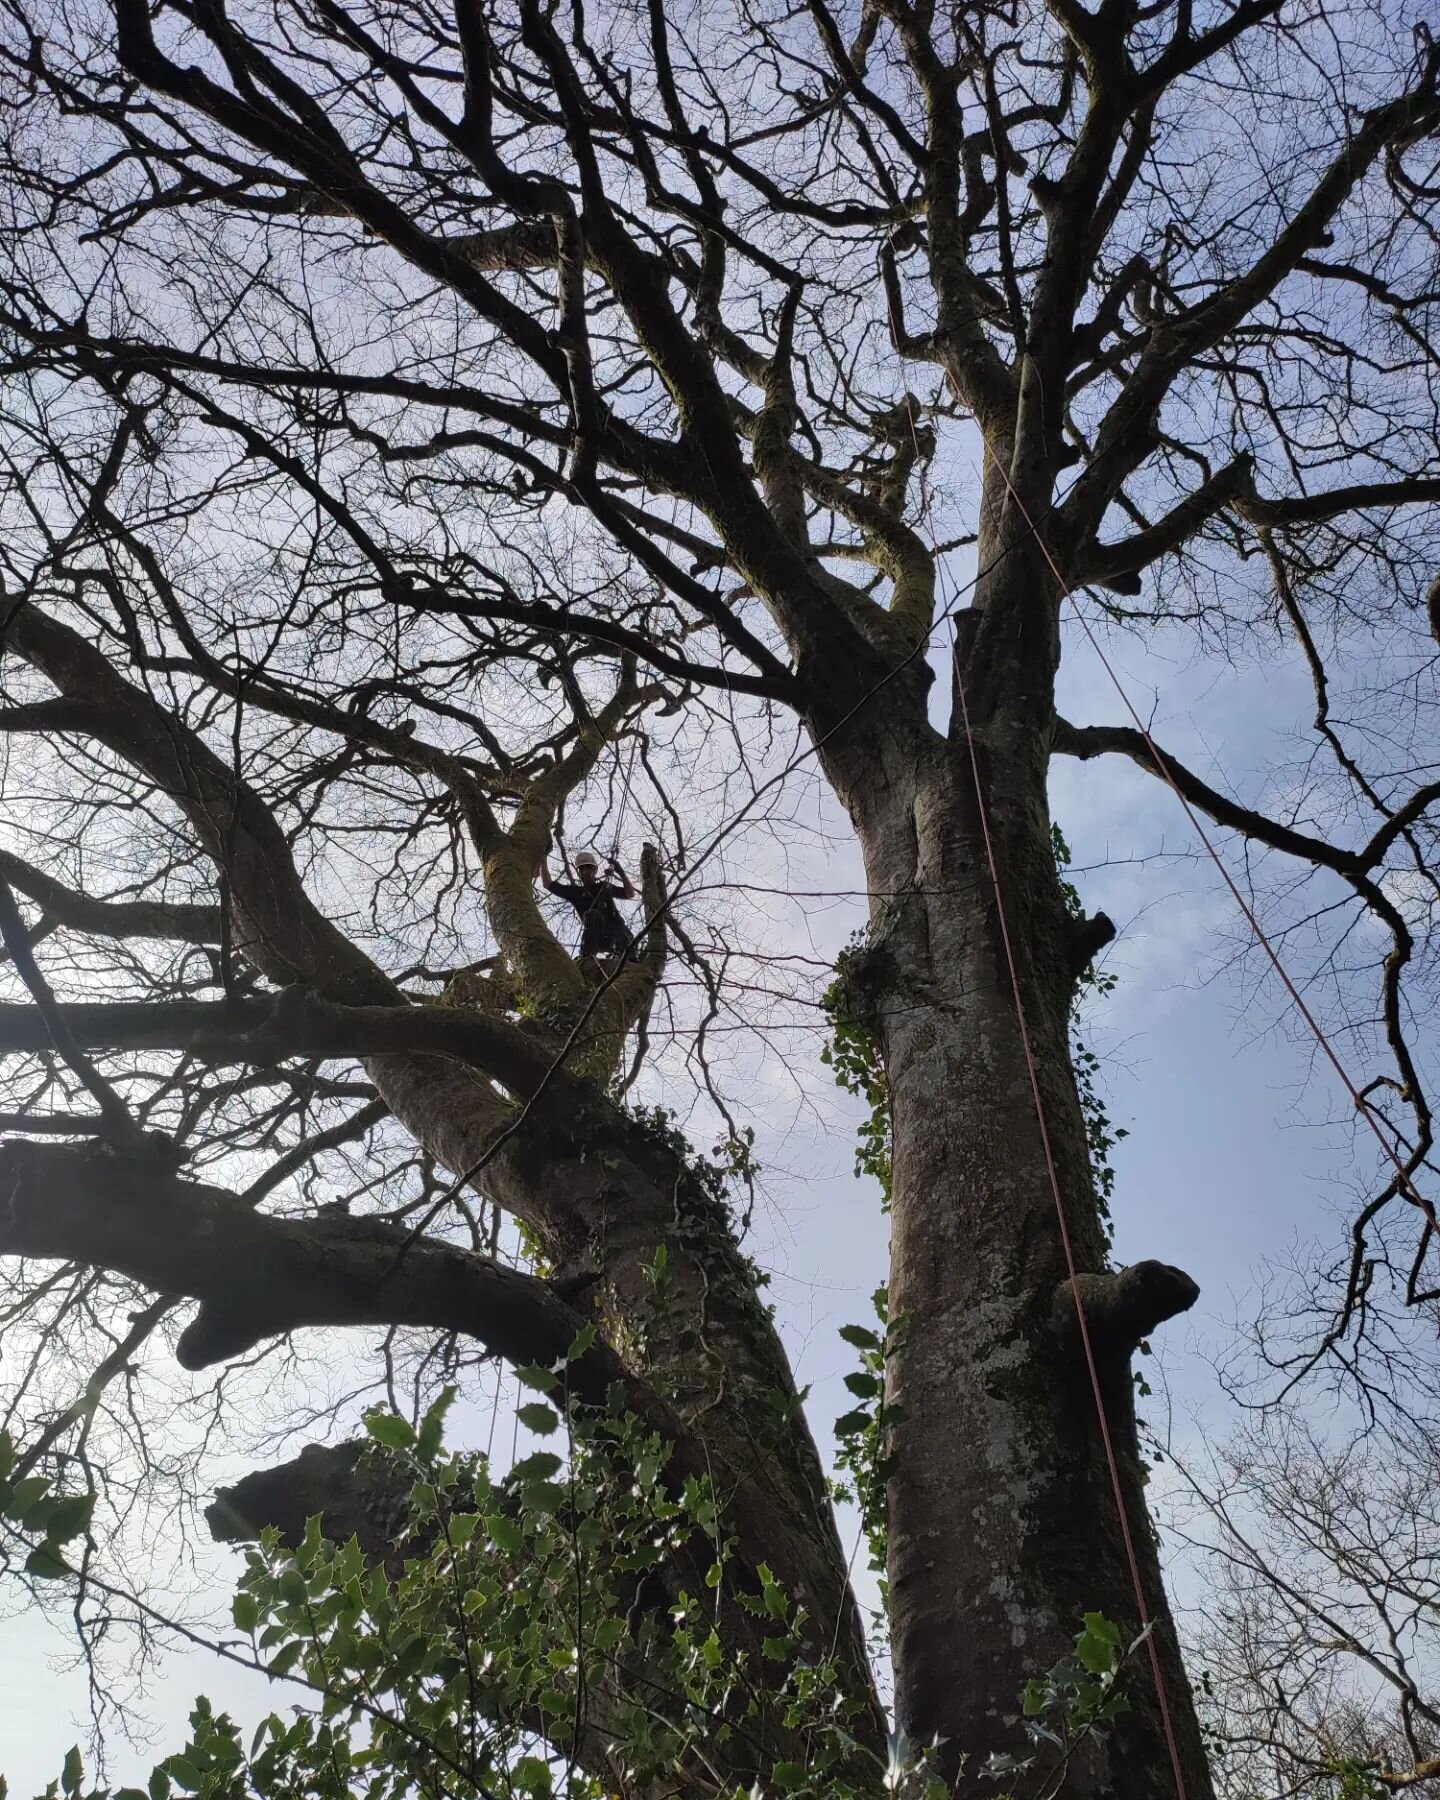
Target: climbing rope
(624, 796)
(558, 832)
(1403, 1181)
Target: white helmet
(586, 859)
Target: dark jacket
(602, 931)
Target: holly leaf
(860, 1336)
(1098, 1646)
(390, 1430)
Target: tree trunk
(1002, 1518)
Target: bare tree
(1319, 1627)
(406, 404)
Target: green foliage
(521, 1621)
(1075, 1702)
(1100, 1134)
(854, 1054)
(707, 1203)
(46, 1521)
(707, 1219)
(731, 1161)
(864, 1463)
(1355, 1780)
(525, 1614)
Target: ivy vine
(1100, 1134)
(853, 1053)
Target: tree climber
(603, 931)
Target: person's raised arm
(627, 887)
(542, 874)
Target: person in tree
(603, 931)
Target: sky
(1239, 1154)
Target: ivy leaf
(245, 1610)
(776, 1603)
(862, 1338)
(73, 1773)
(863, 1385)
(1097, 1648)
(538, 1417)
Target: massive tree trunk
(1004, 1528)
